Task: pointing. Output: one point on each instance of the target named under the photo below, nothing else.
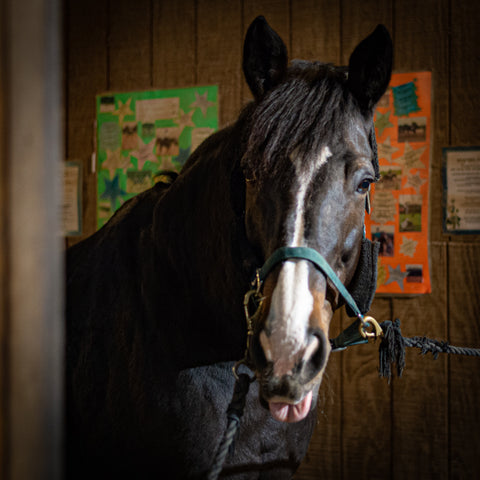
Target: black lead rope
(392, 348)
(234, 414)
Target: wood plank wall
(426, 424)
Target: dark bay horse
(155, 298)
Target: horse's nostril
(318, 356)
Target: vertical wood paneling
(86, 71)
(464, 305)
(366, 398)
(464, 260)
(464, 74)
(420, 401)
(129, 45)
(219, 52)
(420, 45)
(174, 48)
(315, 30)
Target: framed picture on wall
(461, 177)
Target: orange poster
(399, 216)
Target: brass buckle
(369, 323)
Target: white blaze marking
(305, 179)
(292, 301)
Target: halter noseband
(305, 253)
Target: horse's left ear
(370, 68)
(264, 57)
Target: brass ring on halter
(368, 322)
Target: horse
(155, 298)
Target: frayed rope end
(391, 350)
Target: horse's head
(309, 162)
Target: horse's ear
(370, 68)
(264, 57)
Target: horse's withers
(308, 191)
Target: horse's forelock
(302, 113)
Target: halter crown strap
(306, 253)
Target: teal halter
(305, 253)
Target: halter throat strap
(306, 253)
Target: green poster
(141, 135)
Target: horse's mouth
(286, 399)
(291, 412)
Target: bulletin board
(400, 208)
(141, 135)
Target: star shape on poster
(382, 122)
(411, 157)
(385, 150)
(396, 275)
(114, 160)
(202, 103)
(184, 119)
(123, 110)
(144, 153)
(415, 181)
(408, 247)
(112, 191)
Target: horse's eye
(364, 185)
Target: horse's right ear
(370, 68)
(264, 58)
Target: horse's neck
(200, 234)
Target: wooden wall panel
(174, 53)
(464, 394)
(464, 260)
(129, 45)
(315, 27)
(420, 400)
(419, 45)
(219, 50)
(86, 26)
(464, 62)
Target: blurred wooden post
(31, 264)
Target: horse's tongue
(285, 412)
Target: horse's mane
(309, 107)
